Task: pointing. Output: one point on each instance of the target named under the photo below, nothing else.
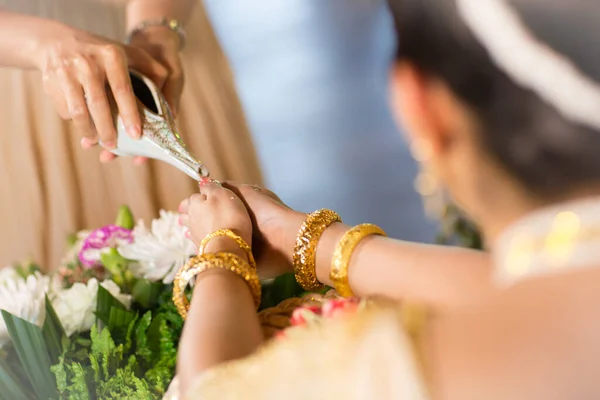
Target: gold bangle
(343, 252)
(230, 234)
(306, 248)
(197, 265)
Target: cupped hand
(78, 68)
(276, 227)
(214, 208)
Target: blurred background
(312, 76)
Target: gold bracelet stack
(343, 253)
(230, 234)
(306, 248)
(197, 265)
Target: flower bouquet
(104, 324)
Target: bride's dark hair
(547, 153)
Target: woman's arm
(221, 325)
(139, 11)
(437, 275)
(163, 43)
(22, 38)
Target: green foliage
(128, 354)
(279, 289)
(132, 357)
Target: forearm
(139, 11)
(221, 326)
(438, 275)
(22, 37)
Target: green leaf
(118, 323)
(115, 263)
(146, 293)
(11, 387)
(33, 353)
(125, 218)
(53, 331)
(104, 303)
(281, 288)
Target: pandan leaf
(104, 303)
(54, 333)
(32, 351)
(146, 293)
(11, 386)
(118, 323)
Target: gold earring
(427, 183)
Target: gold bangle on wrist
(199, 264)
(230, 234)
(343, 252)
(306, 248)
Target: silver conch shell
(160, 139)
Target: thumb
(172, 91)
(144, 63)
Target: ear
(416, 103)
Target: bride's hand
(214, 208)
(276, 227)
(77, 67)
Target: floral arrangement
(104, 325)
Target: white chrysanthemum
(75, 306)
(159, 252)
(8, 274)
(22, 297)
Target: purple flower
(99, 240)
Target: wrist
(285, 240)
(225, 245)
(156, 35)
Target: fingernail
(188, 234)
(110, 144)
(88, 143)
(179, 220)
(203, 181)
(134, 131)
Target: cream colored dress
(52, 188)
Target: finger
(138, 160)
(173, 88)
(76, 105)
(117, 74)
(214, 189)
(251, 191)
(97, 101)
(53, 90)
(196, 200)
(184, 206)
(142, 62)
(184, 220)
(88, 143)
(106, 156)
